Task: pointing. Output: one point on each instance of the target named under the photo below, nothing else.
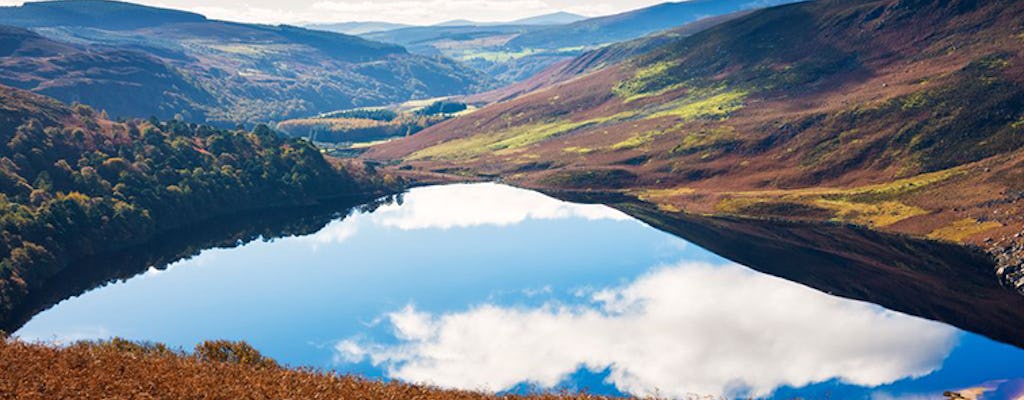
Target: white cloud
(461, 206)
(691, 328)
(334, 232)
(411, 11)
(403, 11)
(412, 325)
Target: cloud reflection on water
(689, 328)
(465, 206)
(462, 206)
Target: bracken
(119, 369)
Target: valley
(699, 199)
(182, 65)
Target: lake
(489, 287)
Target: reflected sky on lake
(489, 287)
(679, 330)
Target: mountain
(555, 18)
(632, 24)
(511, 53)
(357, 28)
(139, 61)
(903, 116)
(101, 14)
(596, 59)
(462, 22)
(121, 82)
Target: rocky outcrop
(1009, 255)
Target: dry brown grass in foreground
(216, 370)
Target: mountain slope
(597, 59)
(899, 115)
(215, 71)
(121, 82)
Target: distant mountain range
(356, 27)
(134, 60)
(632, 24)
(517, 50)
(365, 27)
(555, 18)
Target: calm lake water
(493, 288)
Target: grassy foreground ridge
(120, 369)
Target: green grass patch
(915, 100)
(1019, 123)
(637, 140)
(706, 139)
(717, 106)
(962, 229)
(578, 150)
(526, 135)
(633, 142)
(876, 205)
(871, 214)
(510, 140)
(503, 141)
(659, 92)
(895, 189)
(646, 81)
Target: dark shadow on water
(943, 282)
(226, 232)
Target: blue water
(494, 288)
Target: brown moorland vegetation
(119, 369)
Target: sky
(417, 12)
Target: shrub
(224, 351)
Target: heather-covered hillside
(898, 115)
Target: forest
(371, 124)
(74, 184)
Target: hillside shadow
(939, 281)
